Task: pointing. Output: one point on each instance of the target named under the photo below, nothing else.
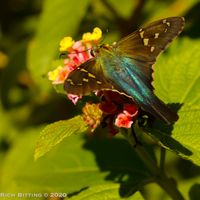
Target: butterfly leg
(137, 142)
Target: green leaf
(6, 128)
(54, 133)
(123, 8)
(190, 188)
(59, 18)
(177, 80)
(166, 141)
(105, 192)
(160, 9)
(74, 164)
(59, 88)
(18, 160)
(187, 131)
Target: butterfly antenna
(103, 38)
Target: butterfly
(126, 67)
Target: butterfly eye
(92, 53)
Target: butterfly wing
(138, 52)
(87, 78)
(145, 44)
(130, 69)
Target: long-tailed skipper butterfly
(126, 67)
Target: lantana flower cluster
(114, 110)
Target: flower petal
(66, 44)
(52, 75)
(94, 36)
(123, 120)
(74, 98)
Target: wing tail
(161, 111)
(134, 84)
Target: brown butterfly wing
(145, 44)
(87, 78)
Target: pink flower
(74, 98)
(118, 110)
(123, 120)
(126, 118)
(78, 53)
(64, 72)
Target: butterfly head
(95, 51)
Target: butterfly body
(127, 67)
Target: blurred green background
(30, 32)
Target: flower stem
(159, 174)
(162, 158)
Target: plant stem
(169, 186)
(160, 176)
(162, 158)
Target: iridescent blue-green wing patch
(145, 44)
(87, 78)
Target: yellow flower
(94, 36)
(53, 75)
(66, 43)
